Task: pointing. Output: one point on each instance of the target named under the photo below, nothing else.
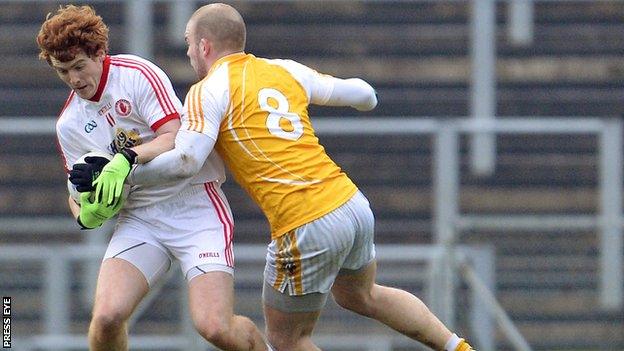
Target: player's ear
(100, 55)
(205, 47)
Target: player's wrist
(89, 225)
(130, 155)
(82, 226)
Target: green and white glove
(110, 184)
(94, 214)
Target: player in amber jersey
(126, 105)
(254, 111)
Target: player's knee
(107, 323)
(358, 301)
(214, 330)
(282, 342)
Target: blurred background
(493, 163)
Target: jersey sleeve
(318, 86)
(206, 104)
(155, 97)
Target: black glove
(82, 175)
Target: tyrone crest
(123, 107)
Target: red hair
(73, 29)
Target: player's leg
(396, 308)
(355, 289)
(301, 266)
(126, 273)
(120, 288)
(289, 331)
(201, 239)
(211, 297)
(291, 308)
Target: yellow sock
(455, 343)
(463, 346)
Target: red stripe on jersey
(164, 120)
(103, 80)
(110, 119)
(149, 70)
(163, 104)
(226, 221)
(58, 144)
(157, 85)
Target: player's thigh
(130, 266)
(211, 298)
(362, 252)
(302, 264)
(143, 252)
(306, 260)
(120, 288)
(354, 286)
(300, 269)
(357, 274)
(198, 230)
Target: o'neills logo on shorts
(208, 254)
(123, 107)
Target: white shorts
(307, 260)
(195, 227)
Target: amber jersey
(257, 111)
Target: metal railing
(476, 262)
(449, 222)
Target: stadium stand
(415, 54)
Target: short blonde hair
(221, 23)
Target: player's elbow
(367, 98)
(189, 166)
(370, 102)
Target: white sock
(269, 346)
(452, 343)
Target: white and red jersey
(134, 98)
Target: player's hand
(109, 185)
(82, 175)
(93, 214)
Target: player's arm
(185, 160)
(193, 145)
(109, 185)
(164, 141)
(159, 107)
(73, 207)
(353, 92)
(69, 151)
(327, 90)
